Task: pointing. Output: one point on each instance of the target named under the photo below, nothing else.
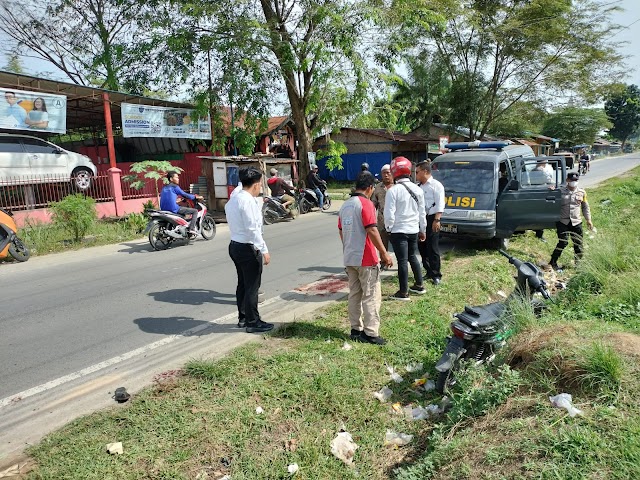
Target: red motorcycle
(166, 227)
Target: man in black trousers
(248, 249)
(434, 206)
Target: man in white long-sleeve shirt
(434, 205)
(248, 249)
(406, 221)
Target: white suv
(23, 157)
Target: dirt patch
(626, 343)
(19, 469)
(525, 347)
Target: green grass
(203, 423)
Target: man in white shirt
(434, 206)
(406, 221)
(248, 249)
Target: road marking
(121, 358)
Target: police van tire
(500, 243)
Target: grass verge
(202, 423)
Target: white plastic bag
(384, 394)
(343, 447)
(394, 375)
(392, 438)
(564, 400)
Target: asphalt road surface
(76, 322)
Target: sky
(629, 17)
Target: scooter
(164, 227)
(309, 199)
(480, 331)
(10, 243)
(273, 209)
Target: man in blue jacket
(169, 200)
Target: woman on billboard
(38, 116)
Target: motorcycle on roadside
(273, 209)
(309, 199)
(164, 227)
(480, 331)
(10, 243)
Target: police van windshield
(465, 177)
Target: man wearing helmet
(314, 182)
(406, 221)
(280, 189)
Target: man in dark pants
(434, 206)
(573, 202)
(248, 249)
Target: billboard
(147, 121)
(32, 111)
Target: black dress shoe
(259, 327)
(436, 281)
(375, 340)
(241, 323)
(355, 335)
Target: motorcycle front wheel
(158, 239)
(327, 203)
(19, 250)
(208, 229)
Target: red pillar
(114, 172)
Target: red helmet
(400, 166)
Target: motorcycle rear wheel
(19, 250)
(304, 206)
(268, 215)
(157, 238)
(208, 229)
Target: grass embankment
(203, 423)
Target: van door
(533, 201)
(13, 159)
(46, 159)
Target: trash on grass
(429, 386)
(445, 404)
(414, 367)
(293, 468)
(418, 382)
(259, 410)
(121, 395)
(226, 477)
(564, 400)
(394, 375)
(115, 448)
(392, 438)
(396, 407)
(384, 394)
(343, 447)
(501, 294)
(346, 346)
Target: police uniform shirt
(573, 203)
(433, 196)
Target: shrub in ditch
(75, 214)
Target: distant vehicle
(492, 190)
(24, 157)
(628, 148)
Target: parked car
(492, 190)
(23, 156)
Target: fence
(38, 191)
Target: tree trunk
(304, 140)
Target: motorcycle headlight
(482, 215)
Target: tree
(500, 52)
(14, 64)
(94, 42)
(623, 109)
(155, 170)
(311, 48)
(576, 125)
(522, 119)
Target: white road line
(125, 356)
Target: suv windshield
(465, 177)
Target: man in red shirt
(280, 189)
(360, 239)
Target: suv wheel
(82, 178)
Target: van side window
(503, 175)
(10, 145)
(540, 173)
(33, 145)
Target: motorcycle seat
(481, 315)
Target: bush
(136, 222)
(75, 214)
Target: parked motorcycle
(480, 331)
(10, 243)
(273, 209)
(309, 199)
(166, 227)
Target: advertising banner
(147, 121)
(39, 112)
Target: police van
(494, 189)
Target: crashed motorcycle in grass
(164, 227)
(480, 331)
(10, 243)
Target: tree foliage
(155, 170)
(623, 109)
(94, 42)
(522, 119)
(501, 52)
(75, 214)
(14, 64)
(576, 125)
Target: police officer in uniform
(573, 205)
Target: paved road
(605, 168)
